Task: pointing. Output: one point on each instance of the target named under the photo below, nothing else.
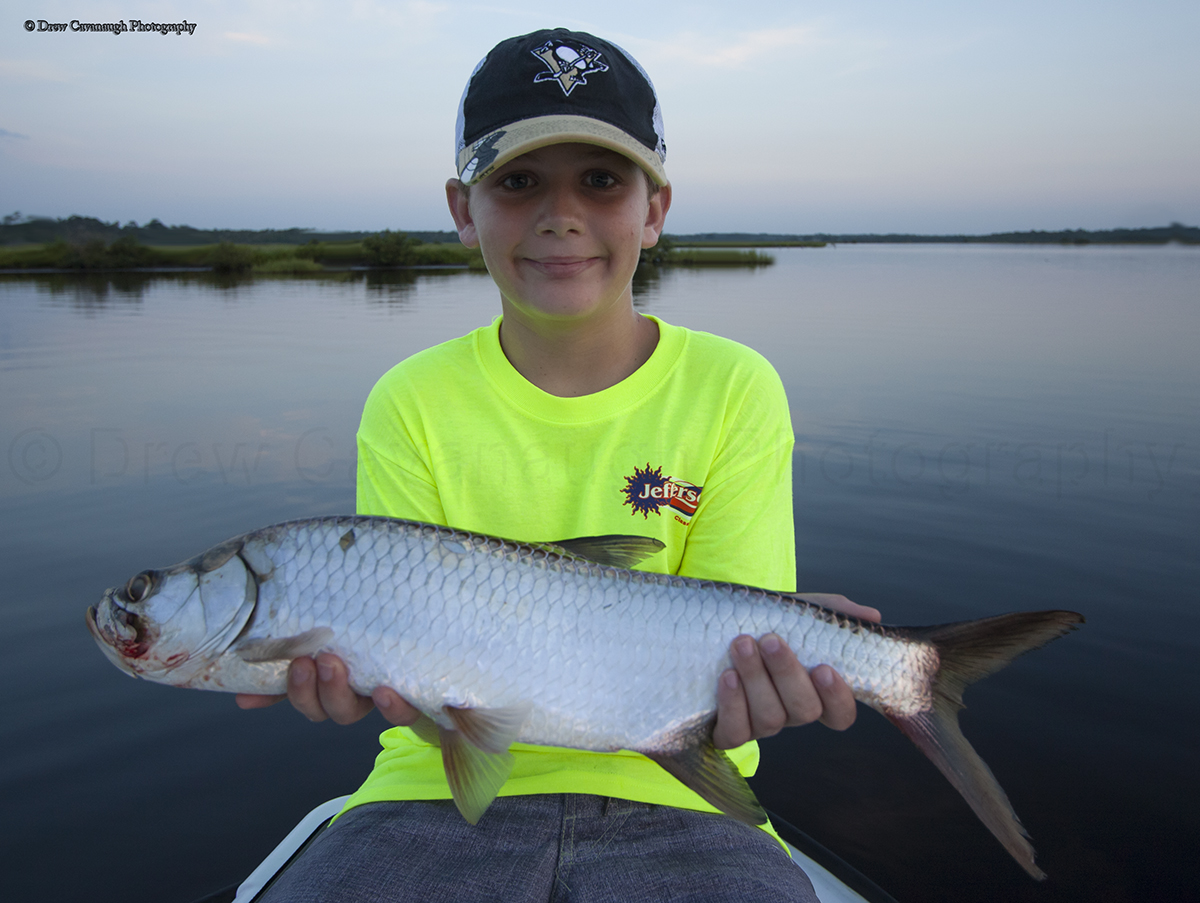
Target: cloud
(32, 70)
(420, 15)
(5, 133)
(246, 37)
(748, 48)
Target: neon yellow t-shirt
(694, 449)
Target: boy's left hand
(767, 689)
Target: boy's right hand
(320, 689)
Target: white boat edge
(829, 888)
(286, 849)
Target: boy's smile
(561, 229)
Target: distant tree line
(82, 230)
(382, 249)
(79, 230)
(1156, 235)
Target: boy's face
(561, 229)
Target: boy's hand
(767, 689)
(320, 689)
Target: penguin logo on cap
(568, 64)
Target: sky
(787, 117)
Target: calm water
(979, 429)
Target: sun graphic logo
(648, 491)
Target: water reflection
(979, 430)
(647, 280)
(87, 292)
(90, 293)
(392, 286)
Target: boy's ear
(459, 200)
(656, 216)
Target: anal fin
(426, 728)
(491, 730)
(692, 759)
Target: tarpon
(557, 644)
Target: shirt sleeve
(394, 477)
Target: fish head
(169, 625)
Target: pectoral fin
(272, 649)
(475, 754)
(692, 759)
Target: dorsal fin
(615, 550)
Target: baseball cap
(554, 86)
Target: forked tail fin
(968, 651)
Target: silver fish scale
(452, 618)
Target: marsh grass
(754, 243)
(226, 257)
(716, 257)
(230, 258)
(287, 265)
(387, 250)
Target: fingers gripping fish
(556, 644)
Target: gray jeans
(555, 847)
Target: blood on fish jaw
(125, 632)
(139, 644)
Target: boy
(568, 416)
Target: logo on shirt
(648, 491)
(568, 64)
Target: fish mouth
(106, 645)
(118, 629)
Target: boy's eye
(516, 181)
(601, 179)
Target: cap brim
(479, 158)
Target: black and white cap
(555, 86)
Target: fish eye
(138, 588)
